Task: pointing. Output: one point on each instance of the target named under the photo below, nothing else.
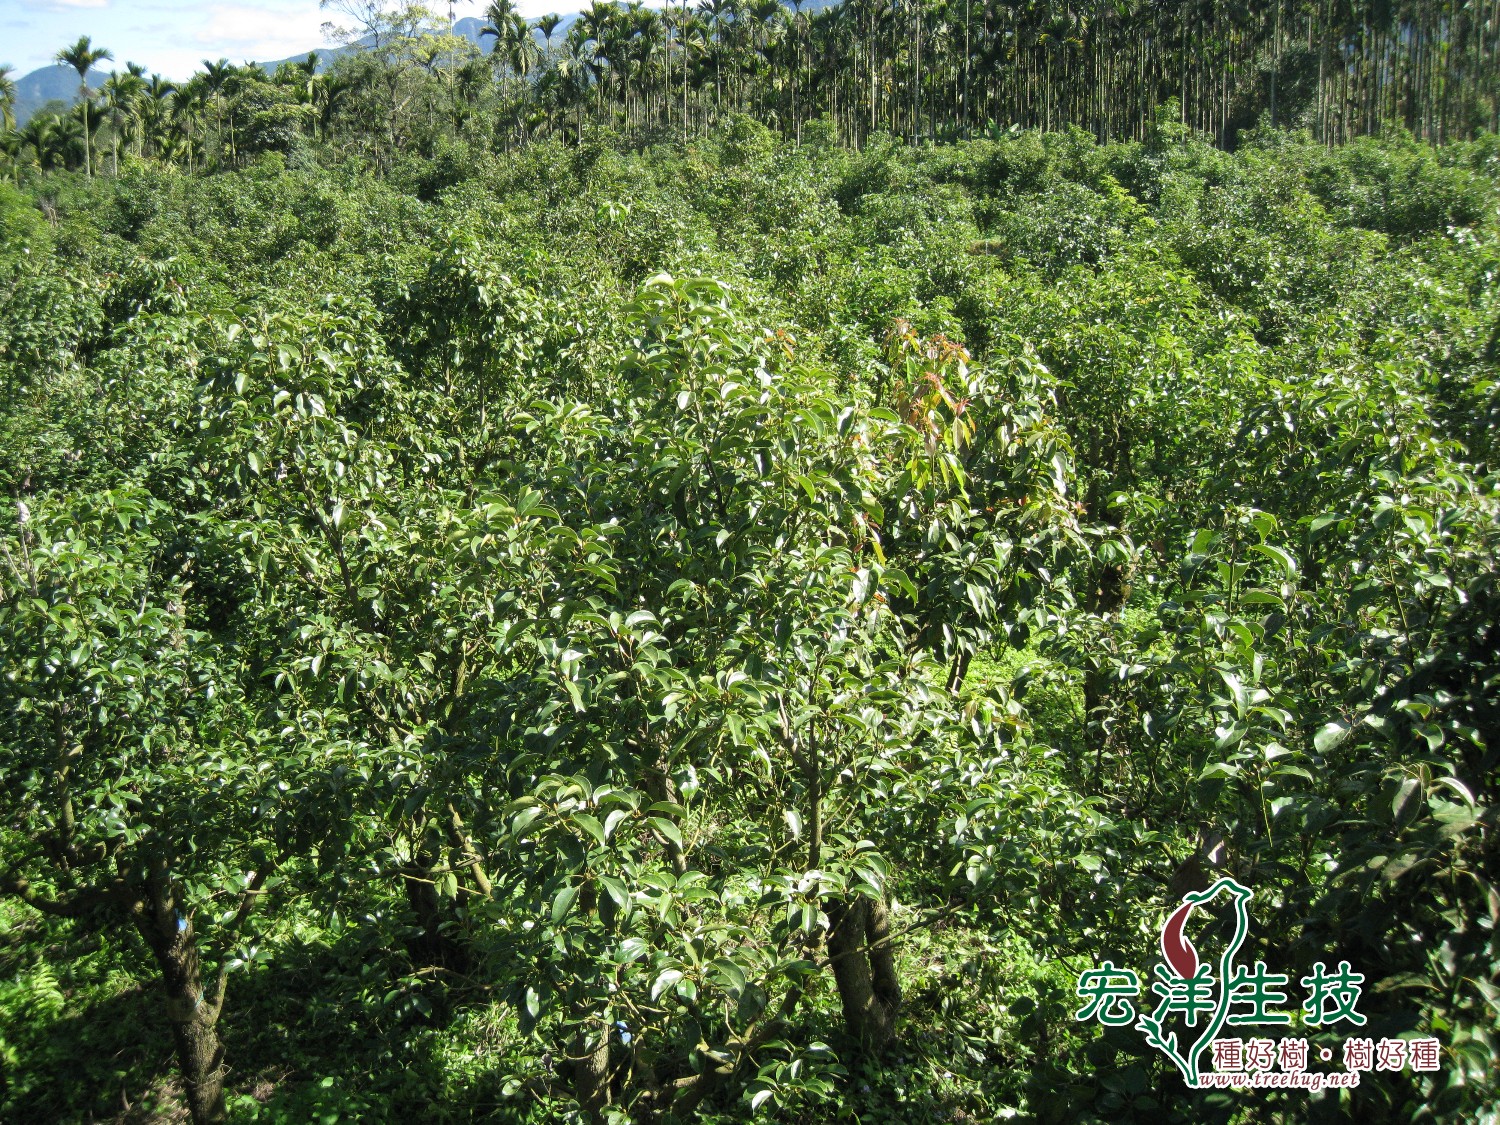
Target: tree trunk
(193, 1013)
(1111, 589)
(1096, 683)
(591, 1073)
(864, 967)
(466, 854)
(433, 945)
(658, 785)
(958, 670)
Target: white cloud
(71, 5)
(259, 33)
(239, 30)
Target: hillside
(468, 28)
(50, 83)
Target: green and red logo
(1198, 1001)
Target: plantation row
(737, 629)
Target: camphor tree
(136, 766)
(704, 731)
(670, 763)
(383, 594)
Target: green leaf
(631, 949)
(615, 889)
(524, 818)
(1330, 735)
(1458, 787)
(591, 826)
(731, 973)
(563, 902)
(1409, 788)
(665, 980)
(667, 829)
(1281, 557)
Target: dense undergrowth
(518, 615)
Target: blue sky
(173, 37)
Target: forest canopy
(407, 80)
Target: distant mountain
(469, 26)
(326, 55)
(466, 28)
(50, 83)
